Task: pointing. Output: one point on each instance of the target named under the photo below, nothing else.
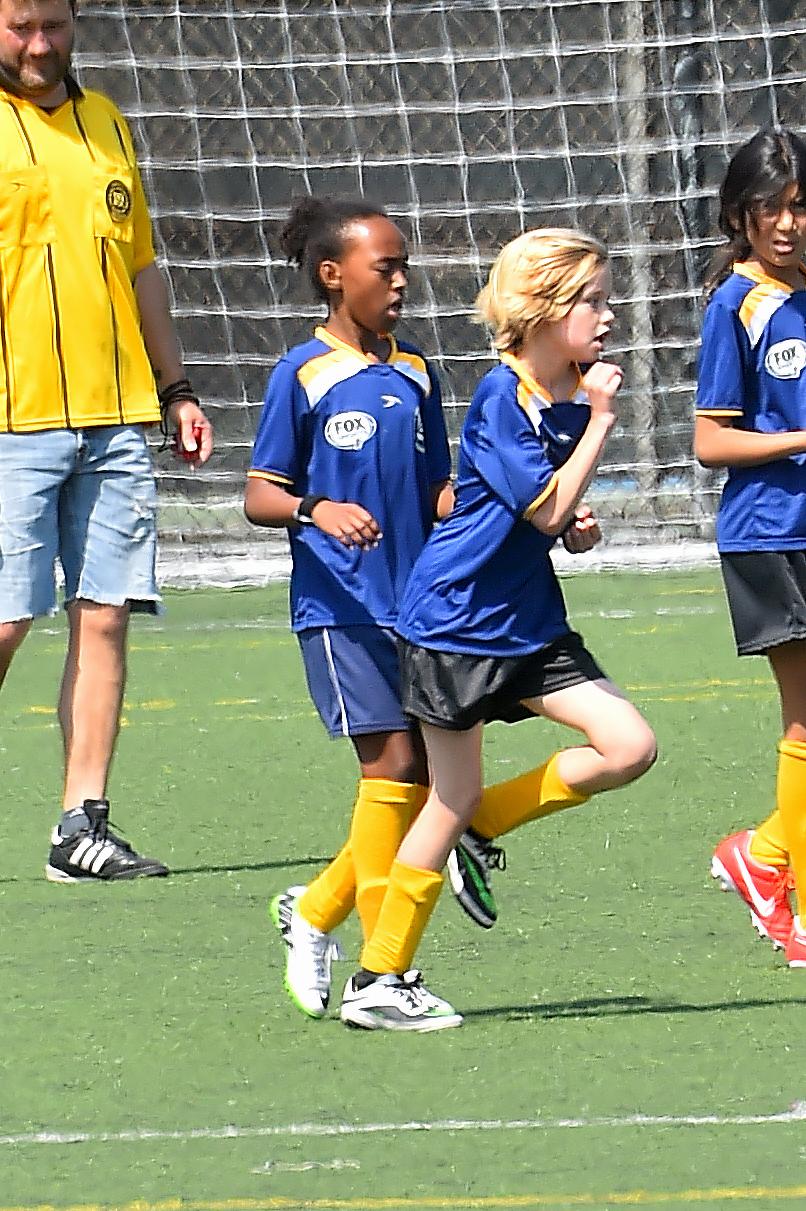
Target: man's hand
(194, 433)
(583, 533)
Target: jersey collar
(327, 338)
(531, 384)
(746, 270)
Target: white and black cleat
(94, 853)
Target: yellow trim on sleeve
(272, 476)
(718, 412)
(308, 372)
(766, 294)
(323, 372)
(414, 359)
(530, 510)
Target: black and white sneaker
(393, 1002)
(95, 852)
(469, 867)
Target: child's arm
(268, 504)
(718, 444)
(555, 513)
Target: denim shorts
(354, 679)
(86, 497)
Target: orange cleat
(764, 889)
(796, 945)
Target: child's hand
(347, 522)
(583, 533)
(601, 384)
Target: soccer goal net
(471, 120)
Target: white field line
(795, 1114)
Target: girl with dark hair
(757, 176)
(352, 456)
(751, 420)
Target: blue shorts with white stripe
(353, 676)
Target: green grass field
(627, 1040)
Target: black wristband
(305, 508)
(181, 389)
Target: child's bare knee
(631, 755)
(641, 754)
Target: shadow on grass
(285, 864)
(601, 1007)
(231, 868)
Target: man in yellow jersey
(85, 331)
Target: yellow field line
(290, 716)
(624, 1198)
(691, 592)
(709, 696)
(702, 690)
(708, 683)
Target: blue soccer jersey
(334, 423)
(484, 584)
(751, 369)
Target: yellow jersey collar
(746, 270)
(528, 380)
(327, 338)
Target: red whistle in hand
(189, 456)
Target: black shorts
(457, 691)
(766, 592)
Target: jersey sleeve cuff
(144, 261)
(530, 510)
(273, 476)
(718, 412)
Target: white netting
(470, 120)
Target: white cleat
(393, 1002)
(309, 956)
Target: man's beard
(13, 80)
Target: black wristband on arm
(180, 390)
(305, 508)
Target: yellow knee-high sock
(407, 906)
(331, 896)
(382, 816)
(768, 843)
(507, 805)
(792, 806)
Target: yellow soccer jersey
(74, 233)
